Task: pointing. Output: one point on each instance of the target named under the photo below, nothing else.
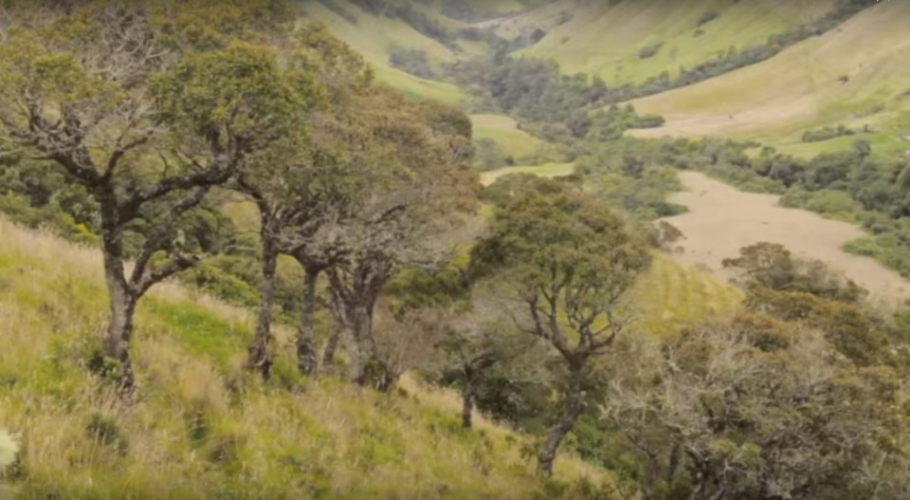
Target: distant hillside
(857, 75)
(630, 41)
(375, 36)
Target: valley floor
(722, 219)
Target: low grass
(605, 38)
(504, 131)
(204, 428)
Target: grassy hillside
(374, 37)
(202, 427)
(504, 131)
(856, 75)
(672, 295)
(606, 38)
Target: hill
(203, 428)
(855, 75)
(629, 42)
(376, 36)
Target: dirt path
(721, 220)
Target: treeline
(133, 143)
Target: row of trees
(152, 107)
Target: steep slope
(202, 427)
(858, 74)
(375, 36)
(610, 39)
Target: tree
(296, 183)
(481, 352)
(569, 261)
(718, 412)
(98, 90)
(412, 215)
(772, 266)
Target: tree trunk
(120, 329)
(328, 356)
(306, 347)
(467, 402)
(259, 356)
(558, 432)
(360, 345)
(122, 300)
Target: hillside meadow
(203, 426)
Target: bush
(707, 17)
(414, 62)
(826, 133)
(650, 51)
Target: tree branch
(153, 240)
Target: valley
(455, 249)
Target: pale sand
(721, 220)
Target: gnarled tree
(411, 215)
(104, 92)
(569, 262)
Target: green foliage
(551, 230)
(250, 92)
(414, 62)
(772, 266)
(712, 410)
(825, 133)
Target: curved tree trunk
(558, 432)
(259, 356)
(307, 362)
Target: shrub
(826, 133)
(707, 17)
(650, 51)
(414, 62)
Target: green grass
(419, 88)
(202, 427)
(373, 36)
(547, 170)
(777, 100)
(503, 130)
(671, 295)
(604, 39)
